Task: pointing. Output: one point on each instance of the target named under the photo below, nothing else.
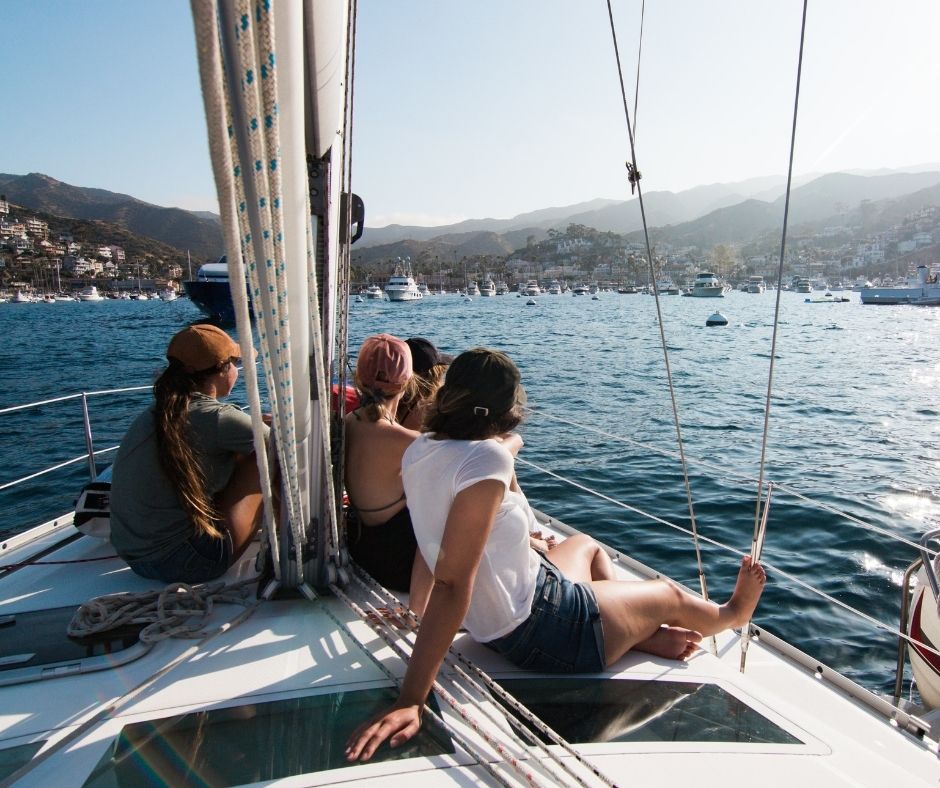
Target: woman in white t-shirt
(471, 523)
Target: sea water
(854, 426)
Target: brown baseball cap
(202, 347)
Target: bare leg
(632, 612)
(240, 503)
(581, 559)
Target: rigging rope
(739, 476)
(503, 700)
(715, 543)
(381, 626)
(167, 613)
(757, 538)
(635, 181)
(255, 144)
(208, 49)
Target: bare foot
(747, 591)
(671, 643)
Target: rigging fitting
(633, 176)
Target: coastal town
(833, 256)
(34, 260)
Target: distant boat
(502, 288)
(554, 288)
(803, 285)
(579, 289)
(90, 293)
(19, 297)
(210, 291)
(755, 284)
(488, 289)
(666, 286)
(168, 294)
(861, 283)
(401, 286)
(707, 285)
(921, 289)
(375, 292)
(532, 288)
(472, 289)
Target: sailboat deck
(292, 651)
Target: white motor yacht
(473, 290)
(755, 284)
(707, 285)
(375, 292)
(921, 289)
(401, 286)
(532, 288)
(90, 293)
(488, 289)
(554, 288)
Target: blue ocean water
(853, 425)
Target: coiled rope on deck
(179, 610)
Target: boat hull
(214, 299)
(921, 296)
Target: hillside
(174, 227)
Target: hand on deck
(397, 724)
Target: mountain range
(200, 233)
(735, 213)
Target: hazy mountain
(545, 218)
(174, 226)
(618, 216)
(828, 199)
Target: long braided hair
(179, 458)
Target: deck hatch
(14, 758)
(625, 710)
(34, 645)
(250, 743)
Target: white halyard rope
(256, 175)
(205, 20)
(492, 691)
(513, 751)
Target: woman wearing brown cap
(185, 491)
(380, 537)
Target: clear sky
(494, 107)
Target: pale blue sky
(496, 107)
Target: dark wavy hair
(482, 397)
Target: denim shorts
(197, 560)
(563, 632)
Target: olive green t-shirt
(147, 520)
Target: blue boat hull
(214, 299)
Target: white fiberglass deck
(294, 650)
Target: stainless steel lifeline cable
(634, 177)
(760, 519)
